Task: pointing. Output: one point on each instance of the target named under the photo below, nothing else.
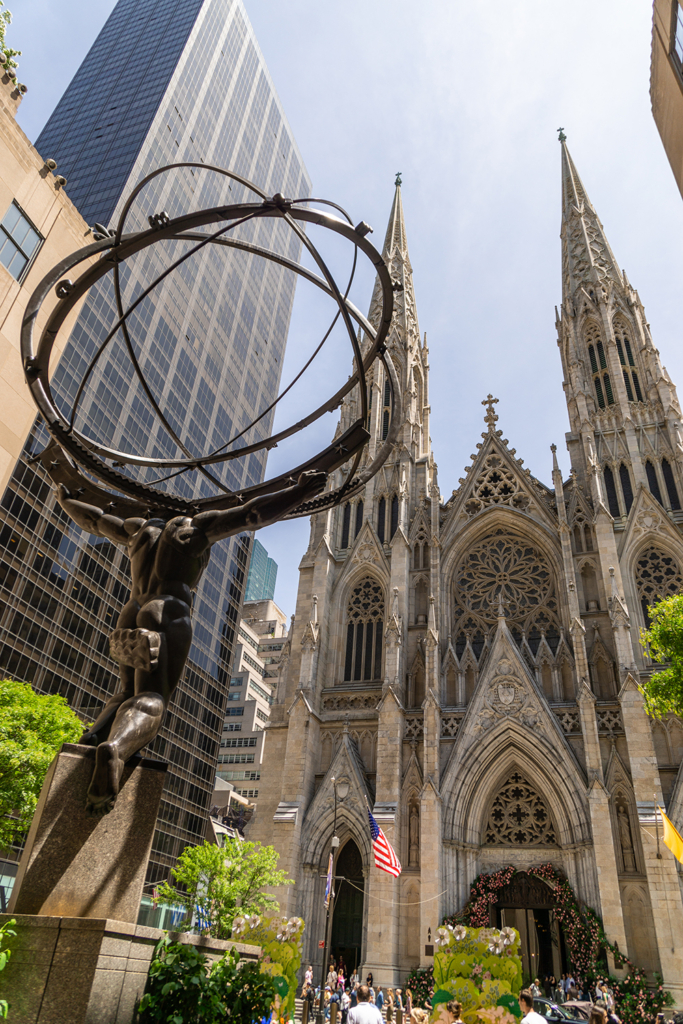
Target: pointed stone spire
(395, 254)
(395, 237)
(587, 259)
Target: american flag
(385, 858)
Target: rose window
(657, 576)
(505, 568)
(519, 816)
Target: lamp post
(341, 790)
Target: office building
(262, 574)
(270, 624)
(165, 81)
(666, 80)
(469, 665)
(247, 712)
(39, 225)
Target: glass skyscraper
(165, 81)
(262, 575)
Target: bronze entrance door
(347, 923)
(526, 903)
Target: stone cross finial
(398, 178)
(490, 416)
(561, 137)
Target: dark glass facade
(262, 575)
(211, 340)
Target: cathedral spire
(396, 232)
(588, 262)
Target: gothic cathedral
(470, 666)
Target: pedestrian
(408, 1005)
(399, 999)
(453, 1012)
(390, 1006)
(364, 1012)
(368, 980)
(340, 975)
(308, 977)
(345, 1005)
(526, 1002)
(535, 988)
(597, 1015)
(354, 980)
(326, 1006)
(331, 979)
(379, 998)
(353, 997)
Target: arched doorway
(526, 903)
(347, 923)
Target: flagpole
(659, 855)
(320, 1015)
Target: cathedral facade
(469, 665)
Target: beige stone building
(39, 226)
(470, 664)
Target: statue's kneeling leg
(136, 724)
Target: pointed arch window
(636, 385)
(620, 350)
(672, 491)
(607, 384)
(627, 385)
(610, 488)
(346, 524)
(381, 517)
(598, 392)
(364, 632)
(594, 362)
(658, 575)
(626, 488)
(394, 515)
(386, 410)
(359, 517)
(653, 482)
(601, 356)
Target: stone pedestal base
(74, 865)
(70, 970)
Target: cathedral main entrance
(347, 923)
(526, 904)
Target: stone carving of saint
(626, 839)
(414, 837)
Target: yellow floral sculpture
(480, 968)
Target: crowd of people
(374, 1004)
(566, 988)
(370, 1004)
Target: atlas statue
(152, 639)
(166, 535)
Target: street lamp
(341, 790)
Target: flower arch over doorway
(583, 934)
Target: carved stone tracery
(519, 816)
(505, 566)
(658, 575)
(496, 485)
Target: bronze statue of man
(154, 630)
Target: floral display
(281, 942)
(481, 968)
(636, 998)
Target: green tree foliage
(220, 882)
(181, 989)
(10, 54)
(663, 641)
(32, 729)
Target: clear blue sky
(464, 98)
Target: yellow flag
(672, 837)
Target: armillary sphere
(211, 227)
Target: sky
(465, 99)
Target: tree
(32, 729)
(663, 641)
(220, 882)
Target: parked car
(573, 1010)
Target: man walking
(526, 1002)
(379, 998)
(365, 1012)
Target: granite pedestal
(71, 970)
(78, 866)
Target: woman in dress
(408, 1005)
(390, 1005)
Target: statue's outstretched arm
(92, 519)
(261, 511)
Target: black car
(554, 1012)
